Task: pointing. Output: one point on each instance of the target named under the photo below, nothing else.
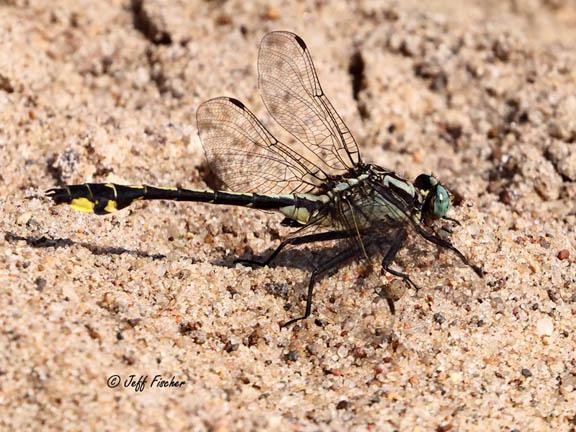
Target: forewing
(245, 156)
(293, 96)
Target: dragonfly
(319, 182)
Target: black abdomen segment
(104, 198)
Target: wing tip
(236, 102)
(300, 41)
(285, 34)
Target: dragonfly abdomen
(104, 198)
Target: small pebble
(552, 295)
(359, 353)
(231, 347)
(92, 332)
(312, 349)
(133, 322)
(526, 373)
(568, 385)
(292, 356)
(342, 352)
(438, 317)
(24, 218)
(444, 428)
(343, 404)
(254, 337)
(563, 254)
(319, 322)
(271, 14)
(505, 197)
(223, 20)
(380, 368)
(188, 327)
(40, 283)
(544, 326)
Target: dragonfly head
(436, 196)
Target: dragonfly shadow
(303, 258)
(309, 259)
(46, 242)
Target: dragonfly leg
(395, 247)
(310, 238)
(446, 244)
(324, 268)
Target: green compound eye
(441, 201)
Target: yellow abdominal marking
(82, 205)
(111, 206)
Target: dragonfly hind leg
(310, 238)
(324, 268)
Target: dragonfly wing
(246, 156)
(292, 94)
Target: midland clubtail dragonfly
(320, 184)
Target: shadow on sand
(45, 242)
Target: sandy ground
(482, 93)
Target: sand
(482, 93)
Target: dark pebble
(545, 244)
(343, 404)
(455, 131)
(277, 290)
(40, 283)
(438, 317)
(254, 337)
(292, 356)
(133, 322)
(231, 347)
(505, 197)
(92, 332)
(359, 353)
(552, 295)
(319, 323)
(129, 360)
(189, 327)
(312, 349)
(526, 373)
